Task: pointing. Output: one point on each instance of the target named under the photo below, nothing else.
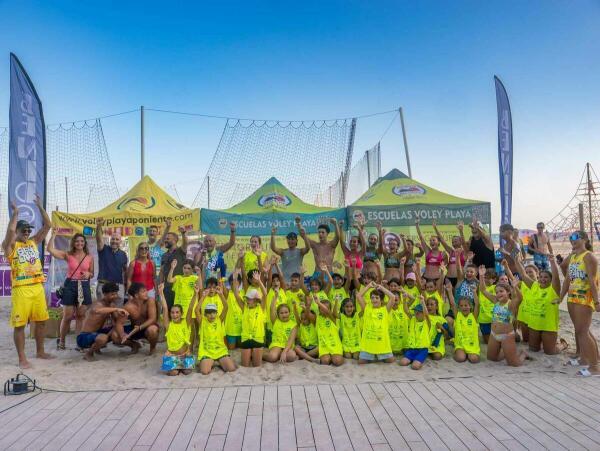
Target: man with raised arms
(291, 258)
(211, 258)
(27, 280)
(144, 319)
(94, 336)
(323, 250)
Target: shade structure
(145, 204)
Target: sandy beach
(117, 369)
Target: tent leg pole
(405, 141)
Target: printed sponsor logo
(176, 205)
(358, 216)
(222, 223)
(137, 203)
(139, 231)
(277, 199)
(408, 190)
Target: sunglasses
(574, 236)
(144, 248)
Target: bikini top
(391, 261)
(502, 314)
(371, 254)
(452, 260)
(434, 260)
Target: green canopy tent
(271, 205)
(397, 201)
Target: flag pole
(142, 156)
(405, 141)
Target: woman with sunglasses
(141, 270)
(77, 294)
(581, 287)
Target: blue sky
(297, 60)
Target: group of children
(332, 317)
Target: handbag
(60, 292)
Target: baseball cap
(22, 224)
(411, 276)
(418, 308)
(210, 308)
(252, 294)
(291, 235)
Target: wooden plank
(223, 416)
(471, 423)
(136, 430)
(304, 434)
(255, 407)
(160, 418)
(431, 418)
(514, 445)
(398, 432)
(215, 443)
(59, 410)
(524, 431)
(237, 425)
(167, 433)
(438, 407)
(61, 423)
(99, 434)
(321, 433)
(269, 438)
(187, 426)
(287, 431)
(381, 447)
(252, 433)
(369, 424)
(201, 434)
(558, 428)
(427, 434)
(243, 394)
(353, 426)
(94, 421)
(284, 395)
(340, 437)
(15, 415)
(485, 409)
(126, 419)
(564, 393)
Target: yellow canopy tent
(144, 205)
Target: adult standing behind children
(173, 252)
(292, 257)
(323, 250)
(539, 245)
(27, 281)
(112, 262)
(212, 258)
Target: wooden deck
(560, 413)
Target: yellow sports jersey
(233, 319)
(543, 310)
(350, 330)
(25, 265)
(398, 329)
(281, 299)
(177, 335)
(183, 287)
(281, 333)
(251, 260)
(253, 324)
(579, 286)
(212, 340)
(486, 306)
(295, 297)
(329, 336)
(375, 335)
(466, 333)
(529, 293)
(419, 336)
(337, 295)
(441, 346)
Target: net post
(346, 172)
(405, 141)
(142, 156)
(589, 193)
(581, 217)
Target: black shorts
(138, 335)
(251, 344)
(71, 293)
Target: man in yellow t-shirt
(27, 280)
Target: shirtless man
(511, 249)
(323, 250)
(143, 317)
(93, 334)
(291, 258)
(540, 245)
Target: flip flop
(573, 362)
(584, 372)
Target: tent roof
(145, 197)
(396, 188)
(273, 197)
